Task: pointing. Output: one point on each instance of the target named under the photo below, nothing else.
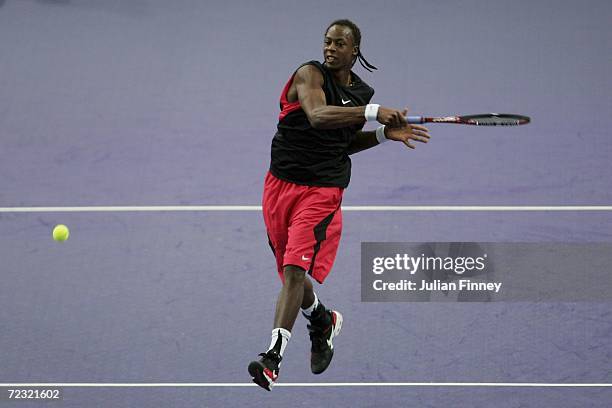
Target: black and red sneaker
(322, 331)
(265, 370)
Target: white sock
(308, 311)
(280, 338)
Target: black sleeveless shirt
(316, 157)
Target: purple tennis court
(147, 103)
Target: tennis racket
(483, 119)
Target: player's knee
(294, 275)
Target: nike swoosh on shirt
(345, 102)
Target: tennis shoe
(265, 370)
(322, 331)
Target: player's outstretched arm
(308, 81)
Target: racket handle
(414, 119)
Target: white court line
(380, 208)
(308, 384)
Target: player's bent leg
(265, 370)
(324, 324)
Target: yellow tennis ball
(61, 233)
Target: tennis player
(323, 108)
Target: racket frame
(472, 119)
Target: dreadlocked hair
(356, 40)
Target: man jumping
(323, 107)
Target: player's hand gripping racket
(484, 119)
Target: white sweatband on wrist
(380, 134)
(371, 111)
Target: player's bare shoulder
(309, 75)
(306, 78)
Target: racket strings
(513, 123)
(496, 123)
(496, 120)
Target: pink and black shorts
(304, 224)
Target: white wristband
(371, 111)
(380, 134)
